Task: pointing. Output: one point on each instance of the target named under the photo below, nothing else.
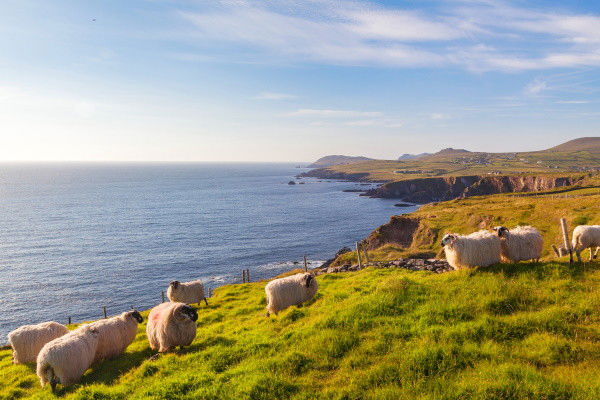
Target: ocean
(75, 237)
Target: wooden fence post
(162, 296)
(358, 256)
(565, 233)
(305, 264)
(555, 249)
(248, 275)
(104, 309)
(243, 276)
(366, 254)
(69, 320)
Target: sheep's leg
(206, 301)
(180, 348)
(596, 252)
(591, 254)
(578, 253)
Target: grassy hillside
(508, 332)
(577, 155)
(578, 204)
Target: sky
(283, 80)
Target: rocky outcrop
(329, 161)
(325, 173)
(412, 264)
(426, 190)
(399, 231)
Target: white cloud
(438, 116)
(383, 122)
(572, 102)
(477, 35)
(273, 96)
(325, 113)
(536, 87)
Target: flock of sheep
(63, 356)
(522, 243)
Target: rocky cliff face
(325, 173)
(426, 190)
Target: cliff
(326, 173)
(425, 190)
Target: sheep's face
(187, 313)
(448, 240)
(174, 284)
(308, 279)
(501, 231)
(137, 316)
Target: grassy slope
(578, 204)
(508, 332)
(449, 165)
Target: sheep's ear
(308, 279)
(174, 284)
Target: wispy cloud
(274, 96)
(438, 116)
(536, 87)
(572, 102)
(311, 112)
(477, 35)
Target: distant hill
(407, 156)
(329, 161)
(590, 144)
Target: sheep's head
(501, 231)
(308, 279)
(174, 284)
(448, 239)
(136, 315)
(185, 313)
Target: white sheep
(586, 236)
(186, 292)
(27, 340)
(290, 291)
(64, 360)
(520, 244)
(480, 248)
(115, 334)
(171, 325)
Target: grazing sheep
(27, 340)
(520, 244)
(65, 359)
(290, 291)
(115, 334)
(480, 248)
(171, 325)
(585, 236)
(186, 292)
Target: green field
(575, 156)
(527, 331)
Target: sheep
(186, 292)
(520, 244)
(480, 248)
(289, 291)
(116, 333)
(171, 325)
(585, 236)
(64, 360)
(27, 340)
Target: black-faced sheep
(116, 333)
(478, 249)
(586, 236)
(290, 291)
(186, 292)
(520, 244)
(171, 325)
(27, 341)
(64, 360)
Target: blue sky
(244, 80)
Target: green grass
(526, 331)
